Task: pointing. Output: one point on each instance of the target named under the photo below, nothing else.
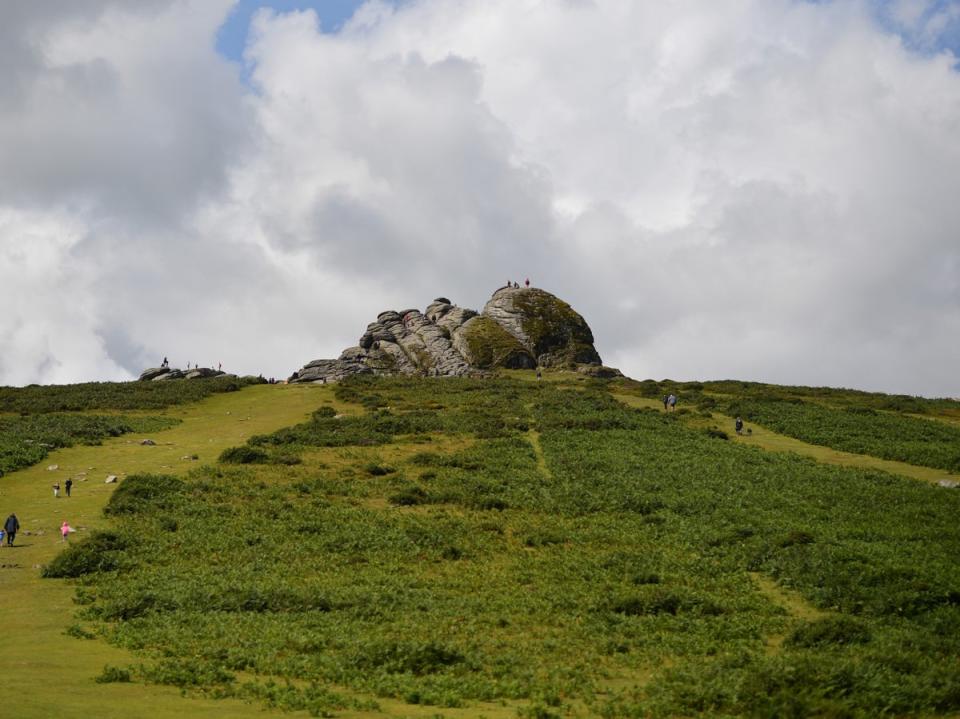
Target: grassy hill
(500, 548)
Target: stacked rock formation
(517, 329)
(155, 374)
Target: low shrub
(244, 455)
(113, 675)
(141, 492)
(409, 496)
(829, 631)
(96, 553)
(378, 470)
(403, 657)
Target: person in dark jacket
(67, 485)
(11, 526)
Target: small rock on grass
(53, 467)
(147, 442)
(111, 479)
(949, 483)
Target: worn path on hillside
(771, 441)
(44, 673)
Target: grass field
(470, 548)
(48, 673)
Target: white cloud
(761, 189)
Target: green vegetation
(37, 399)
(26, 440)
(455, 541)
(859, 429)
(489, 345)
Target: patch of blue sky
(233, 34)
(927, 27)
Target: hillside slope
(451, 542)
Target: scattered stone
(601, 371)
(949, 483)
(148, 443)
(111, 479)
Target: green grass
(536, 545)
(52, 665)
(26, 440)
(38, 399)
(861, 430)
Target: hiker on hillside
(526, 282)
(64, 531)
(672, 401)
(11, 527)
(738, 425)
(165, 362)
(56, 489)
(666, 402)
(67, 485)
(539, 375)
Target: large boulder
(545, 325)
(153, 372)
(518, 328)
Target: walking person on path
(666, 402)
(67, 485)
(11, 527)
(738, 425)
(672, 401)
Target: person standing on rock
(67, 485)
(11, 527)
(526, 282)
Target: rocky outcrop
(519, 328)
(544, 325)
(160, 374)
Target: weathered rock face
(160, 374)
(518, 328)
(545, 325)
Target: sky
(763, 190)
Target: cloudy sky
(752, 189)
